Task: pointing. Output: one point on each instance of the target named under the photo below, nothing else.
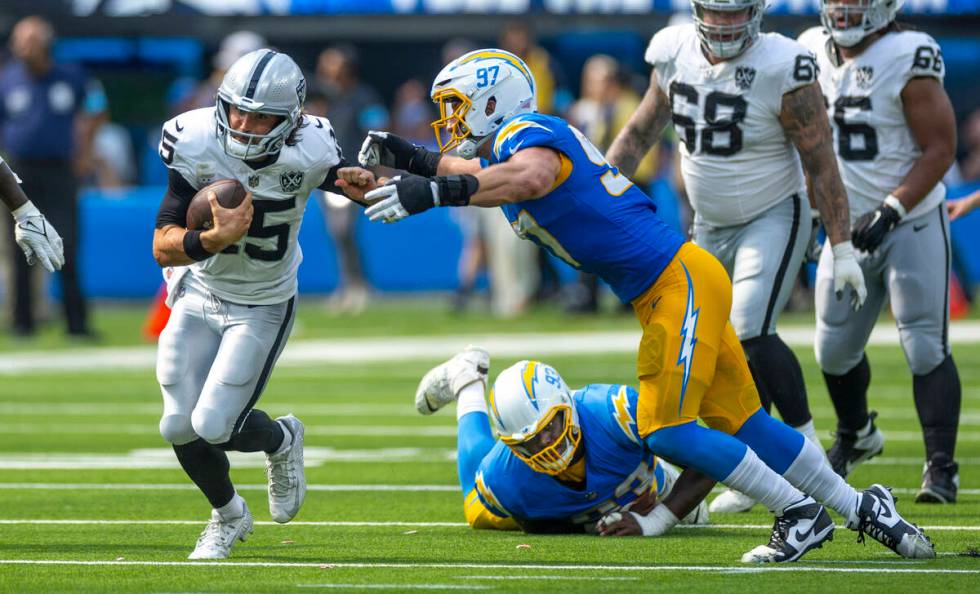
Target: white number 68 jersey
(735, 157)
(875, 148)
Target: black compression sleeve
(173, 208)
(328, 182)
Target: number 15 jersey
(735, 157)
(874, 145)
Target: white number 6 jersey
(261, 268)
(874, 145)
(735, 157)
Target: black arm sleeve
(328, 183)
(173, 209)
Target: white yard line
(413, 348)
(795, 568)
(75, 522)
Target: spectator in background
(606, 105)
(412, 113)
(233, 46)
(970, 139)
(48, 115)
(353, 108)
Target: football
(229, 193)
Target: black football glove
(388, 150)
(869, 230)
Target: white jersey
(261, 268)
(735, 157)
(875, 148)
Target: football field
(93, 498)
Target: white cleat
(287, 478)
(730, 501)
(220, 535)
(805, 525)
(442, 383)
(878, 517)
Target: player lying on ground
(556, 188)
(32, 231)
(233, 286)
(564, 460)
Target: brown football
(230, 194)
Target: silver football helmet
(850, 21)
(263, 81)
(728, 41)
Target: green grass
(59, 414)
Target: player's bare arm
(930, 119)
(641, 131)
(355, 182)
(10, 193)
(689, 491)
(804, 119)
(529, 174)
(963, 206)
(229, 225)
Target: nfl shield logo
(253, 180)
(863, 76)
(744, 75)
(291, 181)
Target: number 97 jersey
(875, 148)
(735, 157)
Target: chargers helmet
(263, 81)
(527, 398)
(728, 41)
(476, 93)
(875, 15)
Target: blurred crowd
(506, 275)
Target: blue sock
(474, 440)
(775, 442)
(712, 452)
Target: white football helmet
(262, 81)
(850, 21)
(476, 93)
(524, 400)
(728, 41)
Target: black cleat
(939, 483)
(803, 526)
(853, 448)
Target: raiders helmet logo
(291, 181)
(744, 75)
(863, 76)
(253, 180)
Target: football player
(558, 190)
(896, 138)
(232, 287)
(748, 111)
(32, 231)
(564, 459)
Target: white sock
(470, 399)
(809, 432)
(233, 509)
(761, 483)
(287, 439)
(811, 473)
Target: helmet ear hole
(491, 106)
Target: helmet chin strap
(468, 148)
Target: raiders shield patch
(863, 76)
(291, 181)
(744, 75)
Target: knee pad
(177, 429)
(212, 426)
(834, 357)
(923, 351)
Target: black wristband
(424, 162)
(194, 248)
(455, 190)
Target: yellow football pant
(690, 363)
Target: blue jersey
(594, 218)
(618, 468)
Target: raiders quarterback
(32, 231)
(740, 101)
(896, 137)
(232, 287)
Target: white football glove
(848, 272)
(403, 196)
(370, 153)
(38, 238)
